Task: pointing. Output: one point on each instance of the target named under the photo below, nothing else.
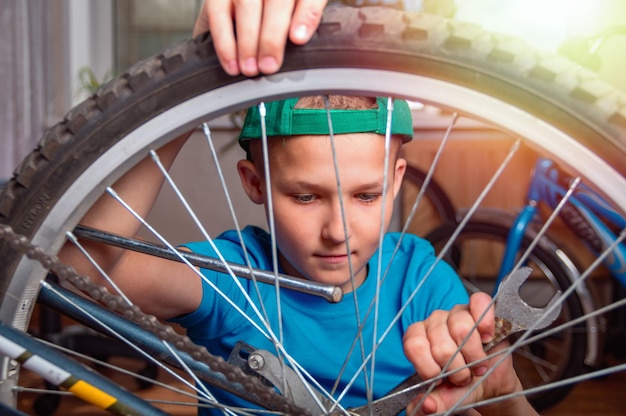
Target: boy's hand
(430, 344)
(250, 35)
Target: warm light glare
(543, 23)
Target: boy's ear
(251, 180)
(400, 169)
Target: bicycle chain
(268, 395)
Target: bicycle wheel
(445, 64)
(550, 359)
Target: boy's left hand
(250, 36)
(432, 343)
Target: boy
(325, 235)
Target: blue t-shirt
(319, 334)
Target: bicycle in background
(492, 244)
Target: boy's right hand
(250, 35)
(434, 342)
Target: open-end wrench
(512, 315)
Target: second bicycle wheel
(369, 51)
(432, 209)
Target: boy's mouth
(334, 258)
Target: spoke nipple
(256, 362)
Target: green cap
(282, 119)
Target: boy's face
(310, 230)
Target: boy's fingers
(446, 343)
(202, 21)
(216, 16)
(417, 350)
(306, 18)
(255, 41)
(209, 8)
(430, 346)
(235, 29)
(428, 406)
(479, 302)
(461, 325)
(248, 17)
(282, 19)
(442, 399)
(277, 15)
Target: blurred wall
(44, 44)
(32, 56)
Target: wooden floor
(600, 397)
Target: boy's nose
(334, 229)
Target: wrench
(512, 315)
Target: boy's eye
(368, 197)
(304, 198)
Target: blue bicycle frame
(591, 218)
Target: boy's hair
(337, 102)
(308, 116)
